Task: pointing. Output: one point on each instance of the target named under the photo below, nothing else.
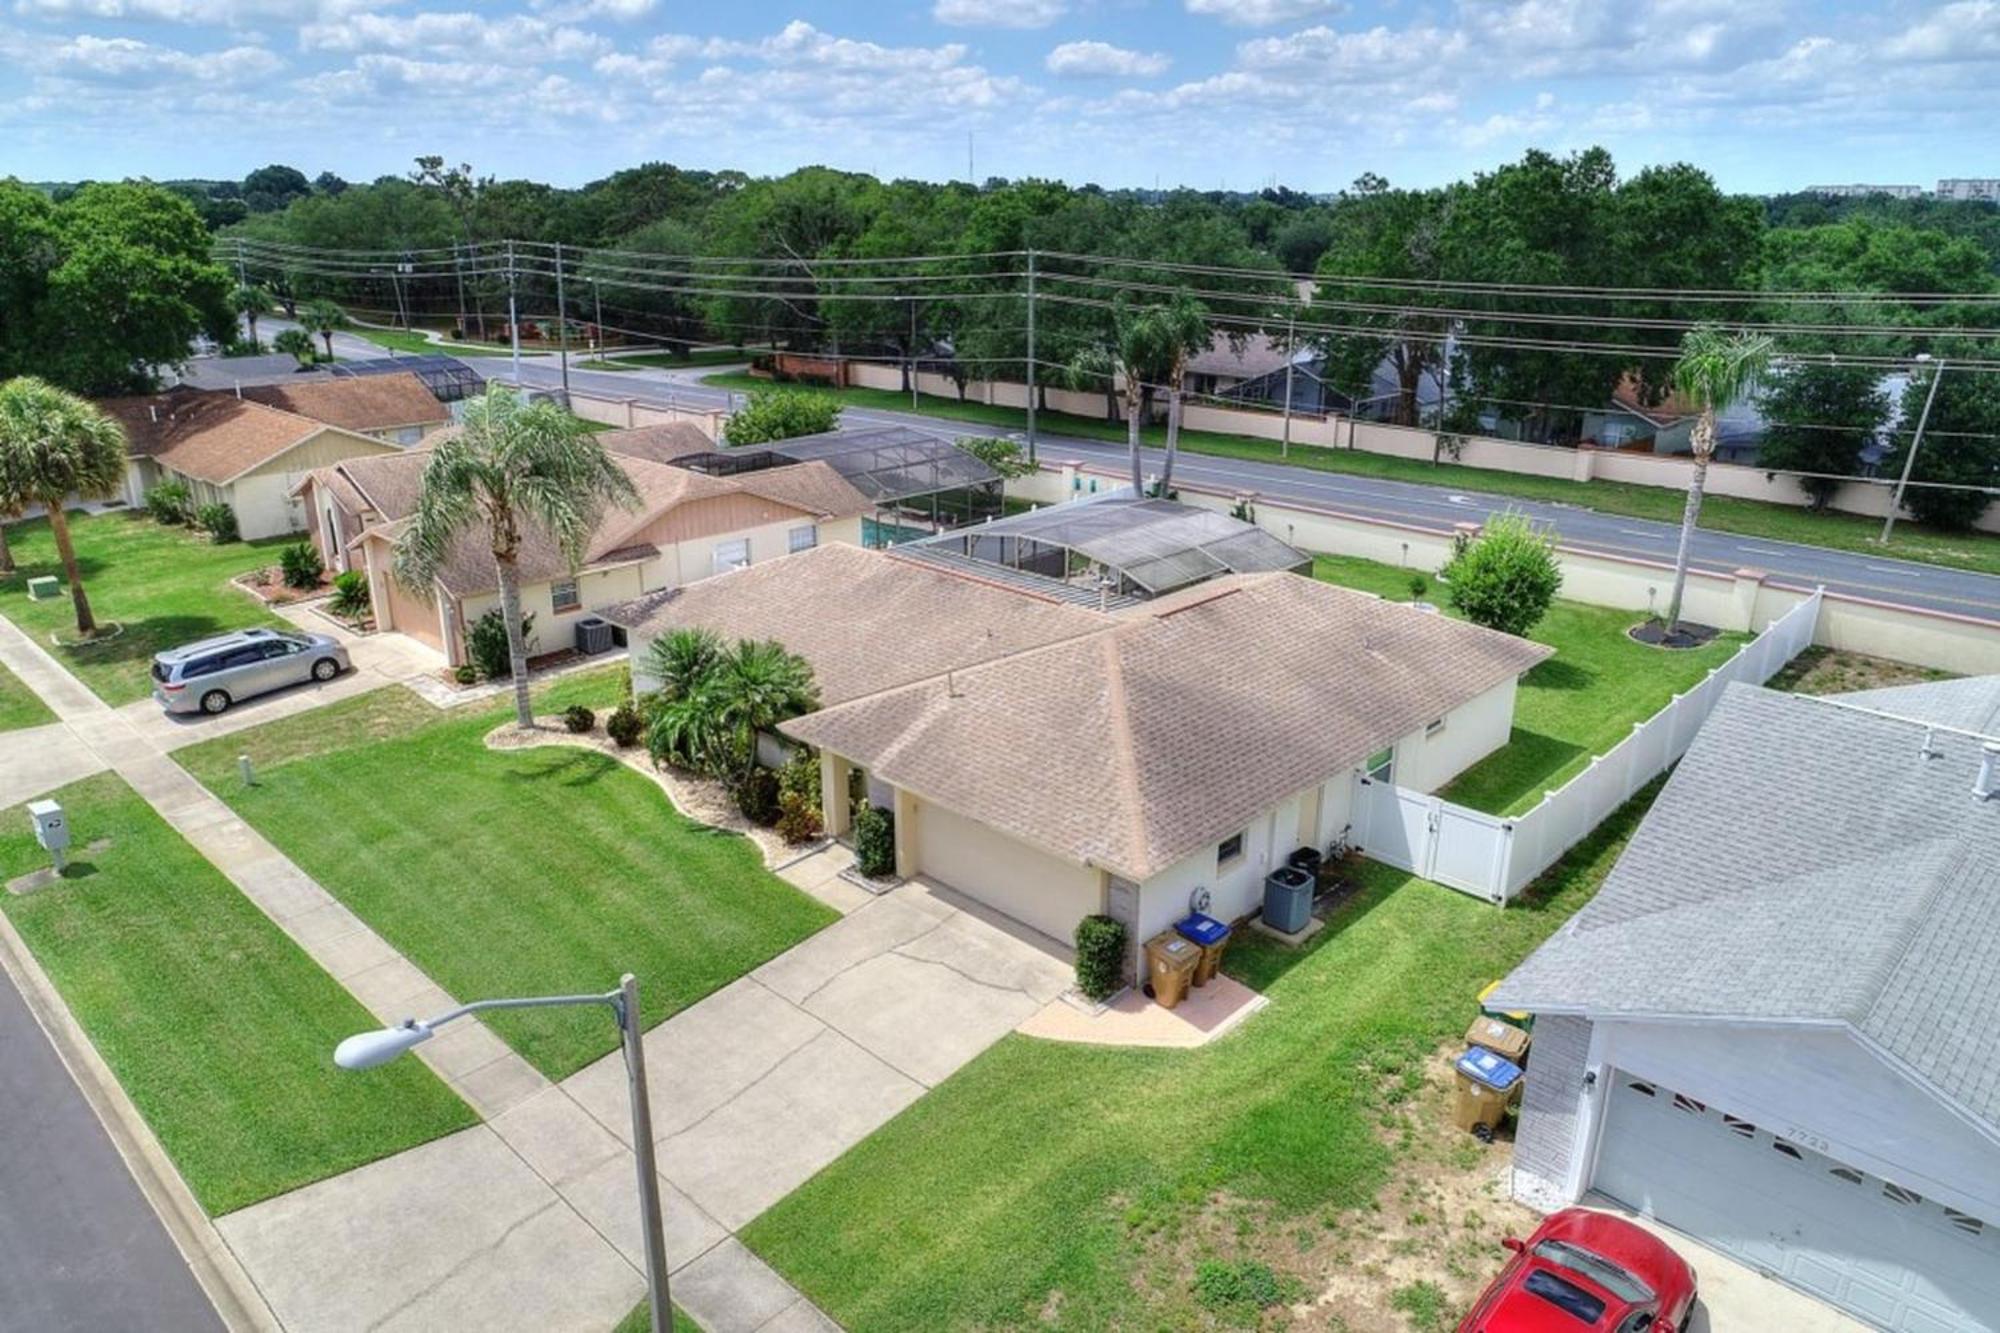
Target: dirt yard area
(1826, 671)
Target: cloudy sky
(1767, 94)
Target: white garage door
(1888, 1256)
(1029, 886)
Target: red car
(1583, 1270)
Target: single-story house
(688, 525)
(1774, 1028)
(1052, 759)
(229, 450)
(395, 407)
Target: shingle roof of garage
(1847, 879)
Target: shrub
(875, 841)
(781, 414)
(798, 820)
(220, 521)
(624, 726)
(168, 502)
(1002, 455)
(486, 643)
(350, 595)
(1100, 956)
(301, 565)
(1506, 578)
(1419, 585)
(465, 673)
(756, 795)
(1245, 1286)
(577, 719)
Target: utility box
(51, 825)
(44, 589)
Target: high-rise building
(1863, 191)
(1970, 187)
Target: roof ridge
(1863, 710)
(1124, 759)
(1947, 852)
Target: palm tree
(681, 660)
(1715, 369)
(1183, 331)
(1136, 336)
(510, 464)
(53, 445)
(296, 343)
(250, 300)
(325, 319)
(753, 688)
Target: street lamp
(365, 1050)
(1910, 459)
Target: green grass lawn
(399, 340)
(164, 586)
(19, 707)
(219, 1027)
(640, 1320)
(703, 356)
(1749, 518)
(1078, 1187)
(535, 871)
(1576, 705)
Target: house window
(1433, 728)
(803, 539)
(1229, 851)
(563, 595)
(1381, 766)
(732, 555)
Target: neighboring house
(232, 451)
(1052, 760)
(1774, 1027)
(1226, 363)
(688, 525)
(1628, 422)
(395, 407)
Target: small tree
(875, 842)
(1820, 418)
(781, 414)
(1003, 456)
(297, 344)
(54, 444)
(324, 319)
(250, 301)
(1506, 577)
(1961, 446)
(350, 599)
(1100, 956)
(1714, 370)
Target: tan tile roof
(370, 403)
(1175, 724)
(813, 487)
(215, 437)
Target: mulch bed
(1686, 634)
(545, 662)
(268, 586)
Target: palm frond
(1717, 367)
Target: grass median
(19, 705)
(220, 1028)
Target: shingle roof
(1177, 722)
(1971, 704)
(378, 402)
(215, 437)
(662, 443)
(1858, 886)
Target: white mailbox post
(51, 829)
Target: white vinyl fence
(1496, 856)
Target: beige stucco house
(687, 526)
(1052, 759)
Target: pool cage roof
(891, 463)
(449, 379)
(1148, 547)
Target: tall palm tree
(1715, 369)
(323, 318)
(53, 445)
(1137, 348)
(250, 301)
(1183, 331)
(510, 464)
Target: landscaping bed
(511, 873)
(1095, 1187)
(220, 1028)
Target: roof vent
(1987, 785)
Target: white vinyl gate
(1429, 835)
(1885, 1254)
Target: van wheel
(325, 669)
(215, 701)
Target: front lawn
(1576, 705)
(416, 344)
(161, 585)
(519, 873)
(1085, 1187)
(219, 1027)
(19, 705)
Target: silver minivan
(208, 676)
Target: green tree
(681, 659)
(296, 343)
(1182, 326)
(270, 189)
(1002, 455)
(510, 465)
(781, 414)
(1961, 447)
(753, 687)
(1820, 417)
(1376, 232)
(251, 301)
(1507, 577)
(323, 319)
(1715, 368)
(54, 445)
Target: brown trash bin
(1170, 965)
(1500, 1038)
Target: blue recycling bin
(1212, 936)
(1486, 1083)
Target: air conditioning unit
(593, 636)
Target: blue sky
(1766, 94)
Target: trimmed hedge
(1100, 956)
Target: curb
(222, 1279)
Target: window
(1433, 728)
(1571, 1299)
(1381, 765)
(802, 539)
(563, 595)
(1230, 849)
(732, 555)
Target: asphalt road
(81, 1250)
(1903, 582)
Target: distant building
(1864, 191)
(1970, 187)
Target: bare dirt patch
(1827, 671)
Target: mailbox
(51, 825)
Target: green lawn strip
(534, 871)
(399, 340)
(640, 1320)
(1574, 706)
(705, 356)
(19, 705)
(219, 1027)
(1978, 551)
(162, 585)
(1050, 1177)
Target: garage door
(1010, 877)
(1888, 1256)
(412, 615)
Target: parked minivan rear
(209, 675)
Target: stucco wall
(1426, 761)
(550, 631)
(265, 506)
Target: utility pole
(396, 280)
(513, 315)
(1291, 360)
(562, 323)
(913, 356)
(1031, 356)
(1910, 459)
(597, 300)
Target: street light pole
(513, 315)
(366, 1050)
(1910, 459)
(562, 323)
(1291, 360)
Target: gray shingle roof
(1858, 886)
(1971, 704)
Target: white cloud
(228, 12)
(800, 43)
(1263, 13)
(518, 39)
(1088, 59)
(127, 61)
(579, 11)
(1966, 30)
(999, 13)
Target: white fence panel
(1469, 849)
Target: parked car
(208, 676)
(1583, 1270)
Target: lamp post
(365, 1050)
(1910, 459)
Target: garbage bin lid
(1203, 929)
(1495, 1071)
(1304, 856)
